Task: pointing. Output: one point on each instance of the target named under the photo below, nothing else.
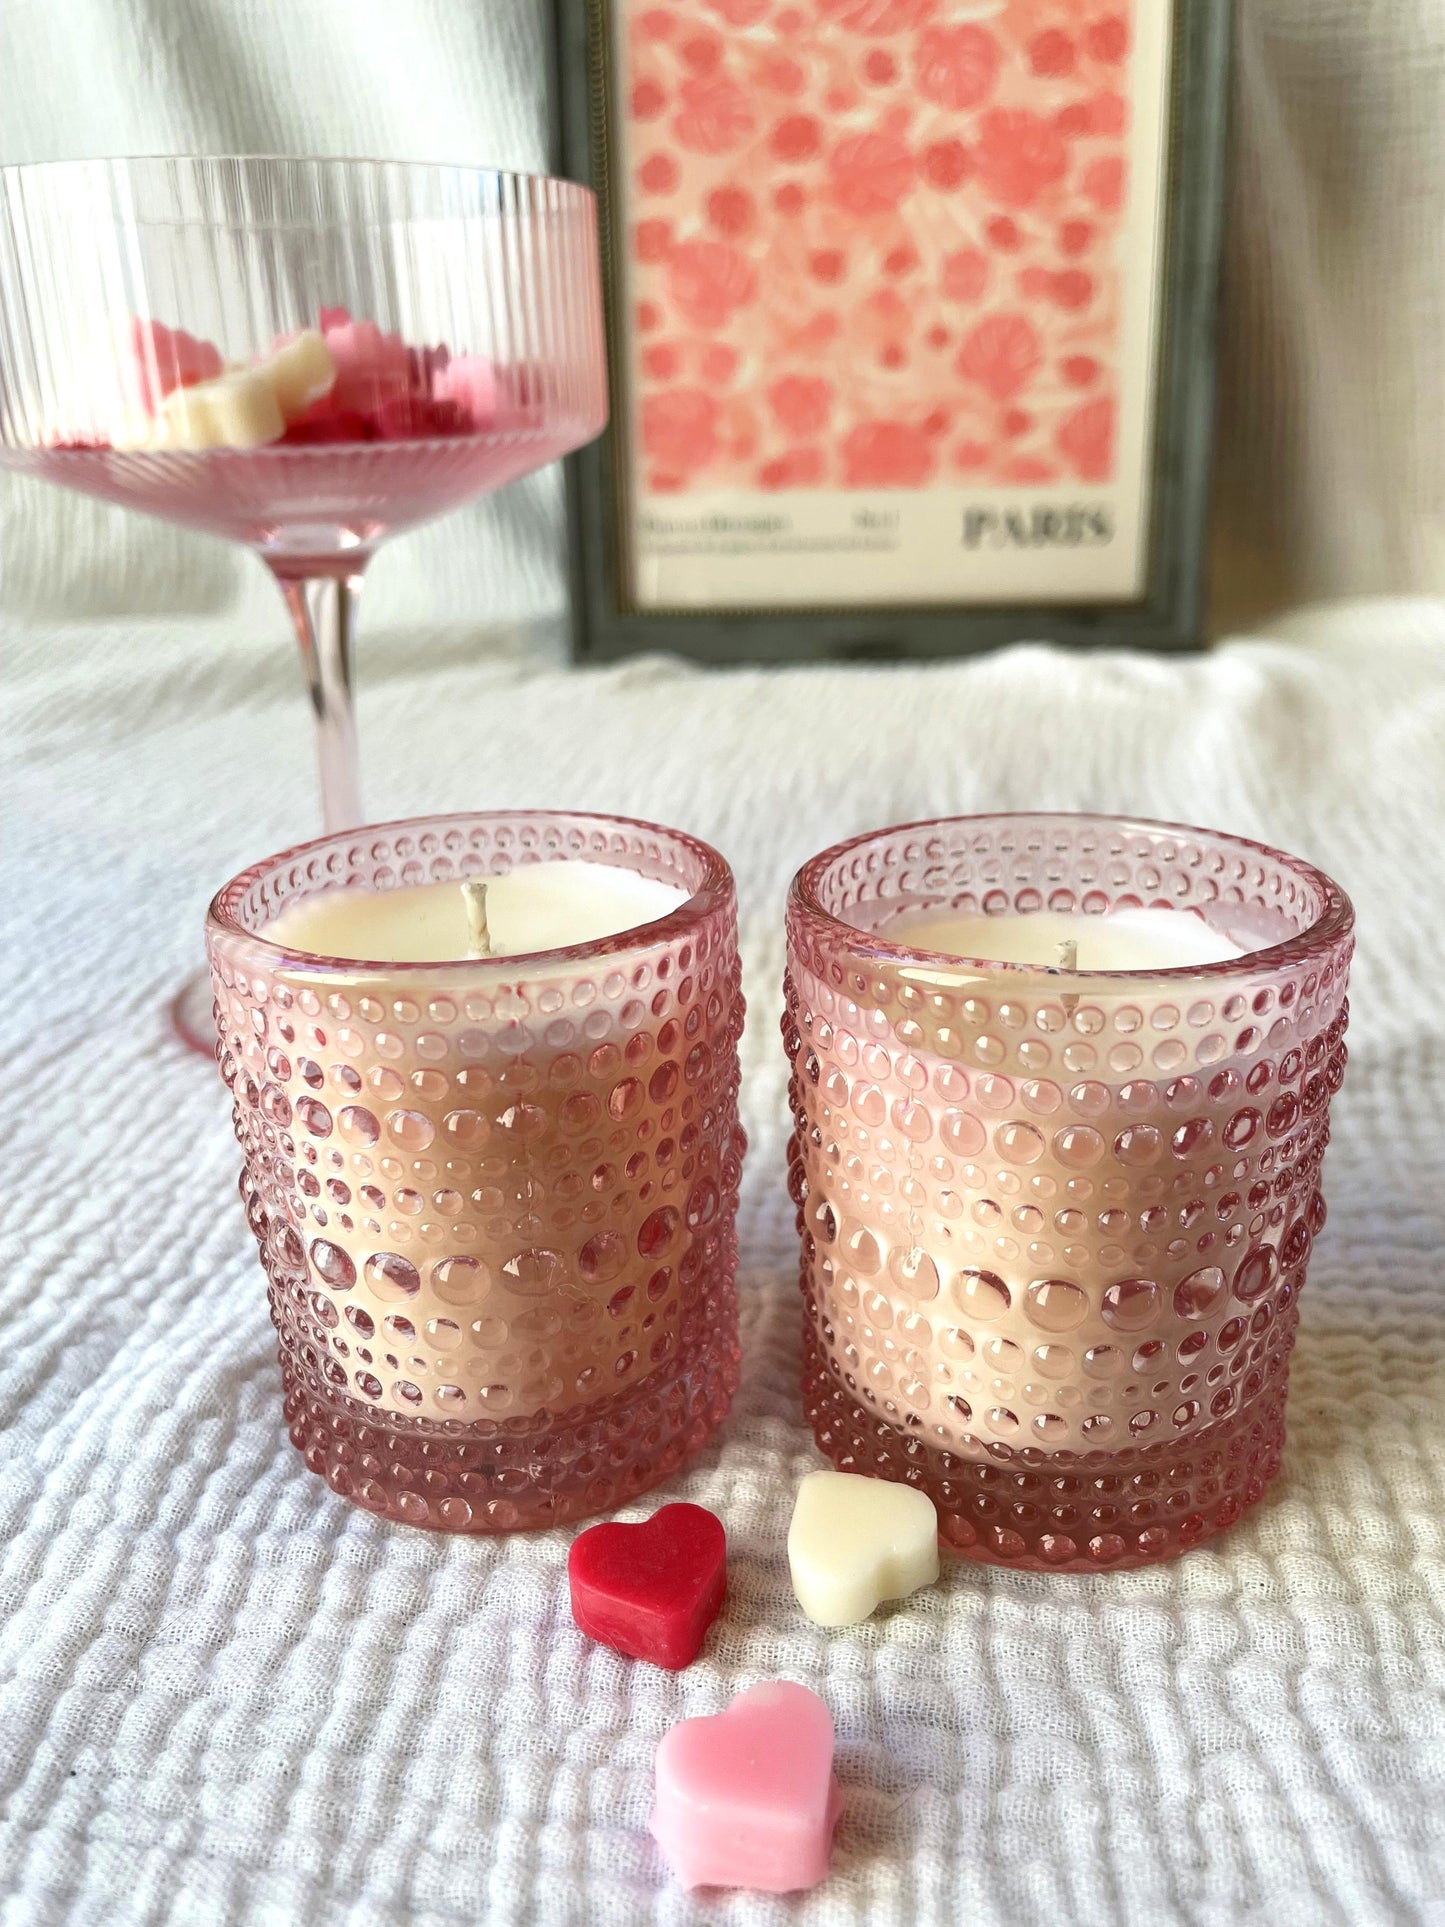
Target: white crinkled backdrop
(228, 1697)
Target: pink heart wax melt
(747, 1797)
(471, 382)
(372, 368)
(162, 359)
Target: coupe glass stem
(323, 608)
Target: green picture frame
(605, 622)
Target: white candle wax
(537, 906)
(1131, 939)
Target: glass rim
(1329, 928)
(712, 895)
(314, 163)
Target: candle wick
(479, 937)
(1068, 954)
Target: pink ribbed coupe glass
(495, 1198)
(465, 280)
(1055, 1224)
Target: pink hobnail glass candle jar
(495, 1198)
(1055, 1228)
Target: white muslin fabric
(229, 1699)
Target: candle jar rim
(1324, 932)
(715, 889)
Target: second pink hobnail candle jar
(1055, 1223)
(495, 1197)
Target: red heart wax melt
(651, 1590)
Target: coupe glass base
(192, 1014)
(1069, 1512)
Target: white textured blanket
(226, 1696)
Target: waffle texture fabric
(230, 1699)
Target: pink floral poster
(889, 279)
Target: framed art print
(910, 315)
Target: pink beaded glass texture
(495, 1199)
(1055, 1227)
